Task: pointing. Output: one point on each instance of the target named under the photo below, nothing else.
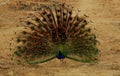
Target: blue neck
(60, 55)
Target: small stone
(10, 73)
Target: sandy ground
(105, 16)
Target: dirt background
(105, 16)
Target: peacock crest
(54, 31)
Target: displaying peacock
(54, 31)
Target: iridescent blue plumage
(60, 55)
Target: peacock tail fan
(54, 31)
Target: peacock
(54, 31)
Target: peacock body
(54, 32)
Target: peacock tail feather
(54, 31)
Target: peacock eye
(29, 44)
(70, 12)
(65, 19)
(32, 28)
(24, 32)
(44, 19)
(58, 17)
(28, 23)
(18, 40)
(44, 13)
(49, 15)
(70, 18)
(58, 10)
(64, 14)
(37, 19)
